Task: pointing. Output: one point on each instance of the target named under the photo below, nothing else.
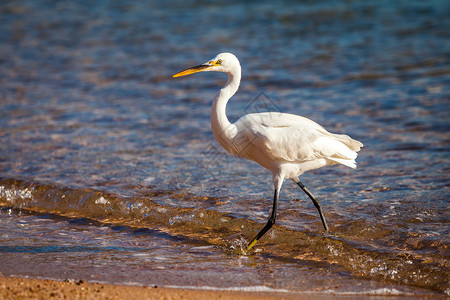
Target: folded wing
(291, 138)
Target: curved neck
(221, 127)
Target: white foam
(265, 289)
(257, 288)
(378, 292)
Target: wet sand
(25, 288)
(30, 288)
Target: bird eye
(219, 62)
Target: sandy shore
(24, 288)
(28, 288)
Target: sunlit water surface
(109, 170)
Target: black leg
(270, 222)
(316, 203)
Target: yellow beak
(199, 68)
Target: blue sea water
(109, 170)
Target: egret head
(223, 62)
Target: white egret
(285, 144)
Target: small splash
(181, 219)
(239, 245)
(102, 200)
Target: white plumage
(288, 145)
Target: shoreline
(32, 288)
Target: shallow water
(109, 170)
